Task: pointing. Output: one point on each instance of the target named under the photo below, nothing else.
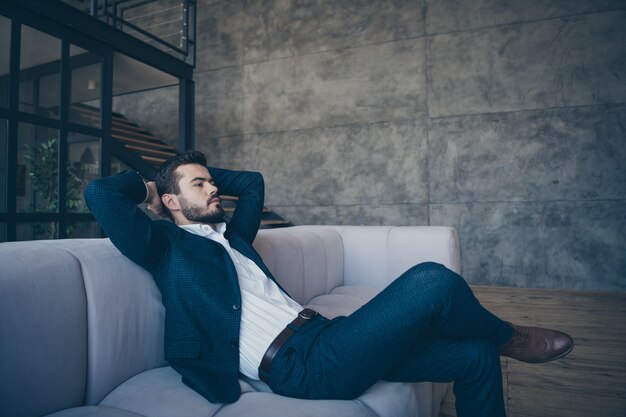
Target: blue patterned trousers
(425, 326)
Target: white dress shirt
(265, 309)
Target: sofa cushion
(94, 411)
(385, 399)
(342, 301)
(161, 393)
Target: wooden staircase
(142, 151)
(130, 137)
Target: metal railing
(166, 24)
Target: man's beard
(198, 214)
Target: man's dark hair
(166, 178)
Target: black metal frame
(73, 27)
(113, 12)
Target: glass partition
(148, 100)
(40, 97)
(3, 165)
(83, 167)
(117, 166)
(86, 89)
(26, 97)
(76, 230)
(63, 86)
(37, 230)
(49, 89)
(37, 169)
(5, 54)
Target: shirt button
(234, 344)
(236, 307)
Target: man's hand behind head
(154, 201)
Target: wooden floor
(591, 381)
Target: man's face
(198, 198)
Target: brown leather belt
(266, 363)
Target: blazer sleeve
(249, 187)
(113, 202)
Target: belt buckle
(307, 314)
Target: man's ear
(171, 202)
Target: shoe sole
(565, 353)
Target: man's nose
(212, 190)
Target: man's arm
(113, 202)
(250, 189)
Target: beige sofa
(81, 327)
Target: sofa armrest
(377, 255)
(309, 261)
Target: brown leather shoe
(536, 345)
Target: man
(226, 315)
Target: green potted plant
(44, 174)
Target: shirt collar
(204, 229)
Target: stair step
(154, 160)
(135, 141)
(275, 222)
(124, 121)
(123, 127)
(94, 114)
(153, 152)
(232, 209)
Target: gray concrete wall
(504, 119)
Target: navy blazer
(196, 276)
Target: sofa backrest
(307, 262)
(312, 260)
(76, 319)
(376, 255)
(125, 316)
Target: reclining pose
(226, 314)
